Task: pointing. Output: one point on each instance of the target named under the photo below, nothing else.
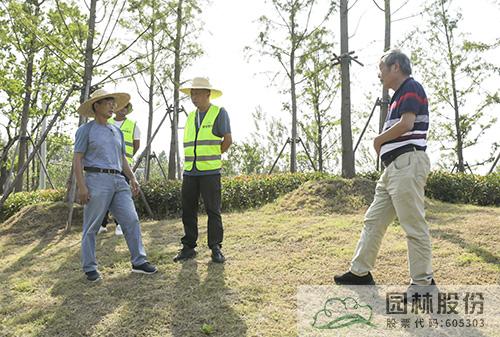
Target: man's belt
(101, 170)
(392, 156)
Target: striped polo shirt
(410, 97)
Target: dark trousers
(210, 189)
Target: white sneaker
(118, 230)
(102, 230)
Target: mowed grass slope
(270, 253)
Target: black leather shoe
(185, 253)
(420, 290)
(351, 279)
(217, 255)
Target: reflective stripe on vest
(127, 129)
(202, 147)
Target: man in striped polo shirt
(400, 189)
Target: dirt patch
(40, 218)
(330, 196)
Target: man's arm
(130, 175)
(226, 142)
(83, 192)
(137, 145)
(404, 125)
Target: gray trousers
(110, 191)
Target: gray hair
(397, 56)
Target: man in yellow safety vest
(132, 137)
(207, 134)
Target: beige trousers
(399, 192)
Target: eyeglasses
(108, 101)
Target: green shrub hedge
(464, 188)
(244, 192)
(238, 193)
(16, 201)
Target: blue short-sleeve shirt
(103, 146)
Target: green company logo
(338, 313)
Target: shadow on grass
(43, 224)
(197, 305)
(440, 207)
(455, 238)
(83, 304)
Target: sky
(231, 25)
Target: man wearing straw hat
(100, 152)
(207, 134)
(132, 137)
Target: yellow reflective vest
(202, 147)
(127, 128)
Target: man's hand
(377, 144)
(134, 186)
(83, 195)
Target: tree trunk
(174, 138)
(4, 157)
(84, 94)
(449, 36)
(151, 95)
(28, 83)
(293, 155)
(317, 113)
(384, 105)
(348, 170)
(85, 91)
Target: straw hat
(129, 110)
(121, 99)
(201, 83)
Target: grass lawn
(270, 253)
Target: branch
(61, 59)
(138, 91)
(357, 25)
(397, 10)
(67, 28)
(104, 15)
(305, 36)
(124, 50)
(119, 69)
(15, 34)
(309, 16)
(376, 4)
(282, 18)
(407, 17)
(355, 2)
(112, 31)
(171, 116)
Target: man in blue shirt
(400, 189)
(100, 152)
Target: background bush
(244, 192)
(464, 188)
(238, 193)
(16, 201)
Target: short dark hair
(397, 56)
